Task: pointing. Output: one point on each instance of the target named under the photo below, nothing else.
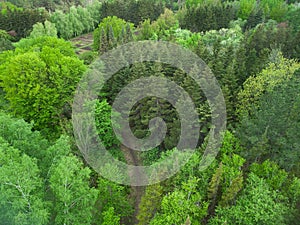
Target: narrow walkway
(137, 192)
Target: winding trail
(83, 44)
(137, 192)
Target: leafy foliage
(109, 217)
(18, 134)
(39, 84)
(246, 7)
(180, 204)
(37, 44)
(103, 114)
(69, 182)
(276, 73)
(275, 9)
(252, 47)
(150, 203)
(256, 205)
(50, 5)
(272, 130)
(46, 29)
(112, 195)
(21, 193)
(77, 21)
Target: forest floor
(83, 43)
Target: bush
(88, 57)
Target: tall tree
(46, 29)
(276, 73)
(257, 204)
(112, 195)
(180, 204)
(150, 203)
(40, 84)
(271, 130)
(111, 29)
(21, 193)
(74, 199)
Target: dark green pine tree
(255, 17)
(231, 192)
(111, 38)
(125, 35)
(214, 188)
(103, 46)
(121, 39)
(229, 81)
(150, 203)
(153, 106)
(128, 34)
(202, 51)
(216, 64)
(240, 65)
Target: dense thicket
(252, 48)
(19, 21)
(132, 10)
(270, 132)
(48, 4)
(205, 17)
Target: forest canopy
(251, 47)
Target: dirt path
(83, 44)
(137, 192)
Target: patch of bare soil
(83, 43)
